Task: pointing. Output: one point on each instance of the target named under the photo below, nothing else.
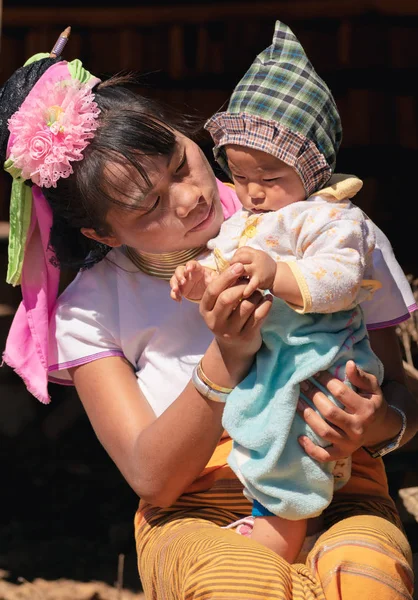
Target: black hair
(131, 127)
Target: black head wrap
(14, 92)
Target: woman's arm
(160, 457)
(157, 457)
(367, 419)
(385, 344)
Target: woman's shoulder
(100, 283)
(113, 296)
(100, 312)
(96, 299)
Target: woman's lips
(206, 220)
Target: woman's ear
(109, 240)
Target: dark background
(192, 54)
(66, 512)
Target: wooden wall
(192, 55)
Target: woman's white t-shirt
(113, 309)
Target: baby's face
(263, 182)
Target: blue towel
(260, 413)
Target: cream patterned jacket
(327, 241)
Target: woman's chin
(208, 234)
(206, 230)
(198, 239)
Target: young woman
(132, 196)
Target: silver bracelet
(207, 392)
(395, 442)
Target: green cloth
(78, 71)
(20, 215)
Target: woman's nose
(185, 198)
(256, 191)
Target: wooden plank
(406, 129)
(143, 16)
(345, 39)
(399, 8)
(129, 50)
(176, 52)
(202, 50)
(7, 310)
(4, 230)
(146, 16)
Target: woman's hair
(131, 128)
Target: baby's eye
(238, 176)
(271, 179)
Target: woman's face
(180, 210)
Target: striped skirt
(185, 554)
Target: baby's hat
(281, 106)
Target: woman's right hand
(235, 321)
(160, 457)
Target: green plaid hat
(281, 106)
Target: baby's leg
(283, 536)
(280, 535)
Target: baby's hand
(259, 267)
(190, 280)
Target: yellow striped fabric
(184, 554)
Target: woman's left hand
(360, 424)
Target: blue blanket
(260, 414)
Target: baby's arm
(190, 280)
(267, 274)
(333, 246)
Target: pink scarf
(27, 343)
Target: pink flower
(52, 128)
(40, 145)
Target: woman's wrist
(397, 395)
(208, 388)
(226, 365)
(389, 429)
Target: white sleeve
(333, 247)
(394, 302)
(82, 327)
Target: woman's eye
(154, 206)
(182, 163)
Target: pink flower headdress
(51, 129)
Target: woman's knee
(364, 555)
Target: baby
(311, 248)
